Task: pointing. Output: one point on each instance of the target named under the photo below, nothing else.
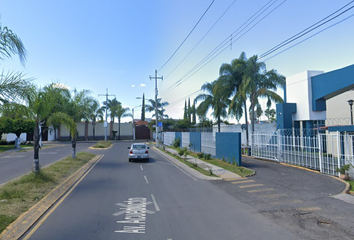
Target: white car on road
(138, 151)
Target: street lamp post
(351, 101)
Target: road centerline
(146, 180)
(155, 203)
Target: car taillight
(146, 151)
(131, 152)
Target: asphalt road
(304, 202)
(14, 164)
(156, 200)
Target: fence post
(339, 150)
(279, 146)
(319, 151)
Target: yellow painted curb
(20, 226)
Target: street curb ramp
(24, 222)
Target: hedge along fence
(223, 145)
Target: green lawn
(18, 196)
(4, 148)
(102, 144)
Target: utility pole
(106, 123)
(156, 92)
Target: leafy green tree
(185, 111)
(183, 124)
(270, 114)
(260, 83)
(112, 106)
(189, 110)
(215, 99)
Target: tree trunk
(73, 146)
(219, 124)
(93, 132)
(118, 128)
(247, 137)
(36, 148)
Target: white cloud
(142, 85)
(133, 85)
(60, 85)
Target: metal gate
(319, 151)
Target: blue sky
(117, 45)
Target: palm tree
(13, 86)
(122, 112)
(215, 99)
(95, 111)
(231, 78)
(79, 109)
(39, 103)
(160, 106)
(260, 83)
(112, 106)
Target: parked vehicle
(138, 151)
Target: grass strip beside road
(102, 144)
(351, 183)
(191, 165)
(18, 196)
(242, 171)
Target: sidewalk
(222, 173)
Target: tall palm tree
(260, 83)
(215, 99)
(231, 78)
(122, 112)
(79, 109)
(39, 103)
(112, 106)
(160, 106)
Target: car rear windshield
(138, 146)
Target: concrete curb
(92, 148)
(185, 167)
(24, 222)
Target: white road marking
(146, 180)
(135, 213)
(155, 203)
(141, 167)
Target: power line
(219, 49)
(307, 30)
(201, 38)
(188, 34)
(310, 36)
(177, 101)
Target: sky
(115, 45)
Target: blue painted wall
(228, 145)
(331, 84)
(195, 140)
(284, 115)
(178, 135)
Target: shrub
(176, 143)
(207, 156)
(200, 155)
